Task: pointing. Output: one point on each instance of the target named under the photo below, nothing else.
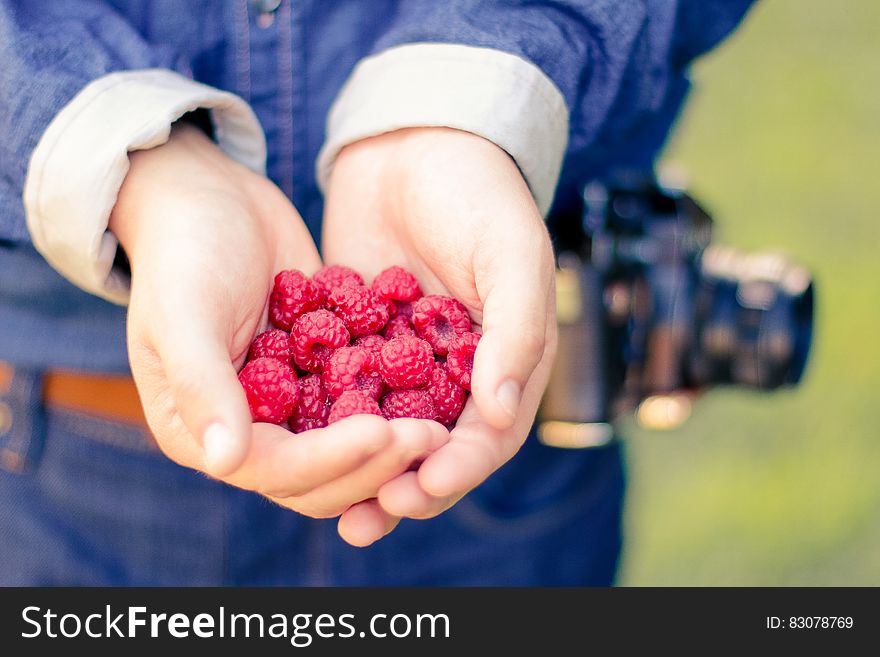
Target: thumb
(208, 397)
(515, 314)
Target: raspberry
(439, 319)
(408, 403)
(273, 343)
(313, 338)
(313, 407)
(271, 389)
(397, 284)
(447, 395)
(371, 343)
(397, 326)
(300, 424)
(352, 402)
(293, 294)
(352, 368)
(402, 309)
(460, 359)
(406, 362)
(359, 308)
(332, 276)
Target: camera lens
(754, 320)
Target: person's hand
(205, 237)
(454, 209)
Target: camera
(650, 311)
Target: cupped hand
(453, 209)
(205, 237)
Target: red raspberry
(352, 402)
(397, 284)
(371, 343)
(439, 319)
(293, 294)
(352, 368)
(396, 326)
(447, 395)
(273, 343)
(460, 359)
(271, 389)
(359, 308)
(402, 309)
(406, 362)
(314, 337)
(313, 407)
(300, 424)
(332, 276)
(408, 403)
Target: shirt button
(266, 6)
(265, 11)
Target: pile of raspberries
(340, 347)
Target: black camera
(649, 310)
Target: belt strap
(112, 397)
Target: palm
(376, 242)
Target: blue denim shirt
(620, 65)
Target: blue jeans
(85, 501)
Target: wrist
(161, 182)
(422, 158)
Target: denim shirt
(619, 65)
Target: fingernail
(508, 396)
(220, 449)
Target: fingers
(403, 496)
(207, 396)
(281, 465)
(412, 440)
(365, 523)
(516, 308)
(474, 451)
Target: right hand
(205, 237)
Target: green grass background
(781, 140)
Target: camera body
(650, 310)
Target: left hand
(452, 208)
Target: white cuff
(78, 166)
(491, 93)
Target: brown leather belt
(106, 396)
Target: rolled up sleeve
(79, 88)
(81, 160)
(497, 95)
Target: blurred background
(781, 142)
